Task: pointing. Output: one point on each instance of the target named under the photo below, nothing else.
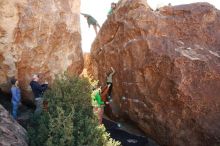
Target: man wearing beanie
(38, 90)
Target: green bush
(69, 120)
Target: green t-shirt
(96, 99)
(110, 11)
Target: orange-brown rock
(39, 37)
(89, 69)
(167, 66)
(11, 133)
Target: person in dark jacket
(38, 90)
(16, 97)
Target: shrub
(69, 120)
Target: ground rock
(11, 133)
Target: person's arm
(86, 15)
(104, 94)
(113, 71)
(105, 90)
(39, 87)
(44, 87)
(88, 22)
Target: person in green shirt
(97, 103)
(92, 21)
(97, 100)
(113, 7)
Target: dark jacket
(38, 89)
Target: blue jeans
(15, 110)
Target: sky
(99, 10)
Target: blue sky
(99, 9)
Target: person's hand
(99, 89)
(113, 70)
(45, 82)
(107, 102)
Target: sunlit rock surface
(39, 37)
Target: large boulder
(167, 66)
(39, 37)
(11, 133)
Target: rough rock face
(39, 37)
(89, 69)
(167, 66)
(11, 133)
